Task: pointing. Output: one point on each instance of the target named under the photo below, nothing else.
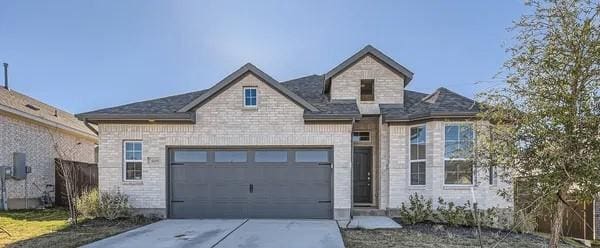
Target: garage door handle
(251, 188)
(324, 201)
(176, 201)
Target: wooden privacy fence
(578, 220)
(86, 178)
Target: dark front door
(363, 158)
(250, 183)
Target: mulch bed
(436, 235)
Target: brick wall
(37, 141)
(399, 185)
(389, 86)
(222, 121)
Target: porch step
(367, 211)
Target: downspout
(351, 174)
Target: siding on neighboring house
(37, 142)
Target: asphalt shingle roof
(35, 110)
(442, 102)
(169, 104)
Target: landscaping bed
(435, 235)
(50, 228)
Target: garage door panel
(250, 189)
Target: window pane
(366, 90)
(137, 146)
(137, 155)
(451, 149)
(466, 132)
(133, 170)
(451, 132)
(414, 152)
(361, 136)
(421, 151)
(189, 156)
(230, 156)
(129, 155)
(128, 146)
(458, 172)
(417, 135)
(417, 151)
(417, 173)
(312, 156)
(271, 156)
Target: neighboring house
(314, 147)
(32, 128)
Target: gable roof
(29, 108)
(308, 92)
(368, 50)
(232, 78)
(310, 88)
(442, 103)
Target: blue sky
(85, 55)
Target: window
(312, 156)
(133, 160)
(231, 156)
(418, 147)
(361, 136)
(250, 97)
(367, 90)
(271, 156)
(458, 165)
(190, 156)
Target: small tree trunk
(557, 221)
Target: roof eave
(188, 117)
(327, 117)
(436, 115)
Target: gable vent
(32, 107)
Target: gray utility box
(19, 167)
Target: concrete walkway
(229, 233)
(370, 222)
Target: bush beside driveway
(50, 228)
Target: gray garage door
(250, 183)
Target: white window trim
(125, 160)
(473, 183)
(244, 96)
(410, 160)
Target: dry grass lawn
(49, 228)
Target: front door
(361, 167)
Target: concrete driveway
(247, 233)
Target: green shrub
(454, 215)
(114, 205)
(418, 210)
(88, 203)
(109, 205)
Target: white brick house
(32, 128)
(313, 147)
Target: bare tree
(65, 153)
